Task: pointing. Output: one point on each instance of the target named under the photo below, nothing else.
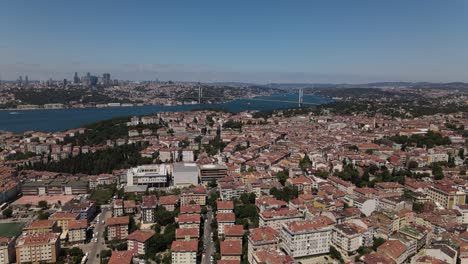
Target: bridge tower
(301, 96)
(199, 94)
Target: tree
(437, 171)
(282, 176)
(377, 242)
(305, 162)
(42, 215)
(7, 212)
(336, 254)
(43, 204)
(461, 153)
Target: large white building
(153, 175)
(185, 174)
(307, 237)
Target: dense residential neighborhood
(216, 187)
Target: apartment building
(41, 227)
(446, 196)
(117, 227)
(275, 218)
(148, 206)
(38, 248)
(169, 202)
(225, 219)
(187, 234)
(137, 242)
(63, 218)
(225, 206)
(307, 237)
(7, 250)
(189, 221)
(77, 231)
(347, 238)
(184, 252)
(262, 239)
(121, 257)
(231, 250)
(195, 195)
(233, 232)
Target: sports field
(10, 229)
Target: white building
(185, 174)
(151, 175)
(307, 237)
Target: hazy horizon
(254, 42)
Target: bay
(63, 119)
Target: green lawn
(102, 195)
(10, 229)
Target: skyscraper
(76, 79)
(106, 79)
(26, 81)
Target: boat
(14, 113)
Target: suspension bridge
(300, 101)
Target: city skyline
(261, 42)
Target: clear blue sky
(258, 41)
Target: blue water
(63, 119)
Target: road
(94, 248)
(207, 238)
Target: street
(206, 258)
(94, 248)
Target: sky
(261, 41)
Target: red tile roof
(185, 246)
(64, 215)
(41, 224)
(188, 218)
(184, 232)
(225, 205)
(121, 257)
(234, 230)
(190, 209)
(168, 200)
(140, 236)
(77, 224)
(263, 234)
(122, 220)
(231, 248)
(226, 217)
